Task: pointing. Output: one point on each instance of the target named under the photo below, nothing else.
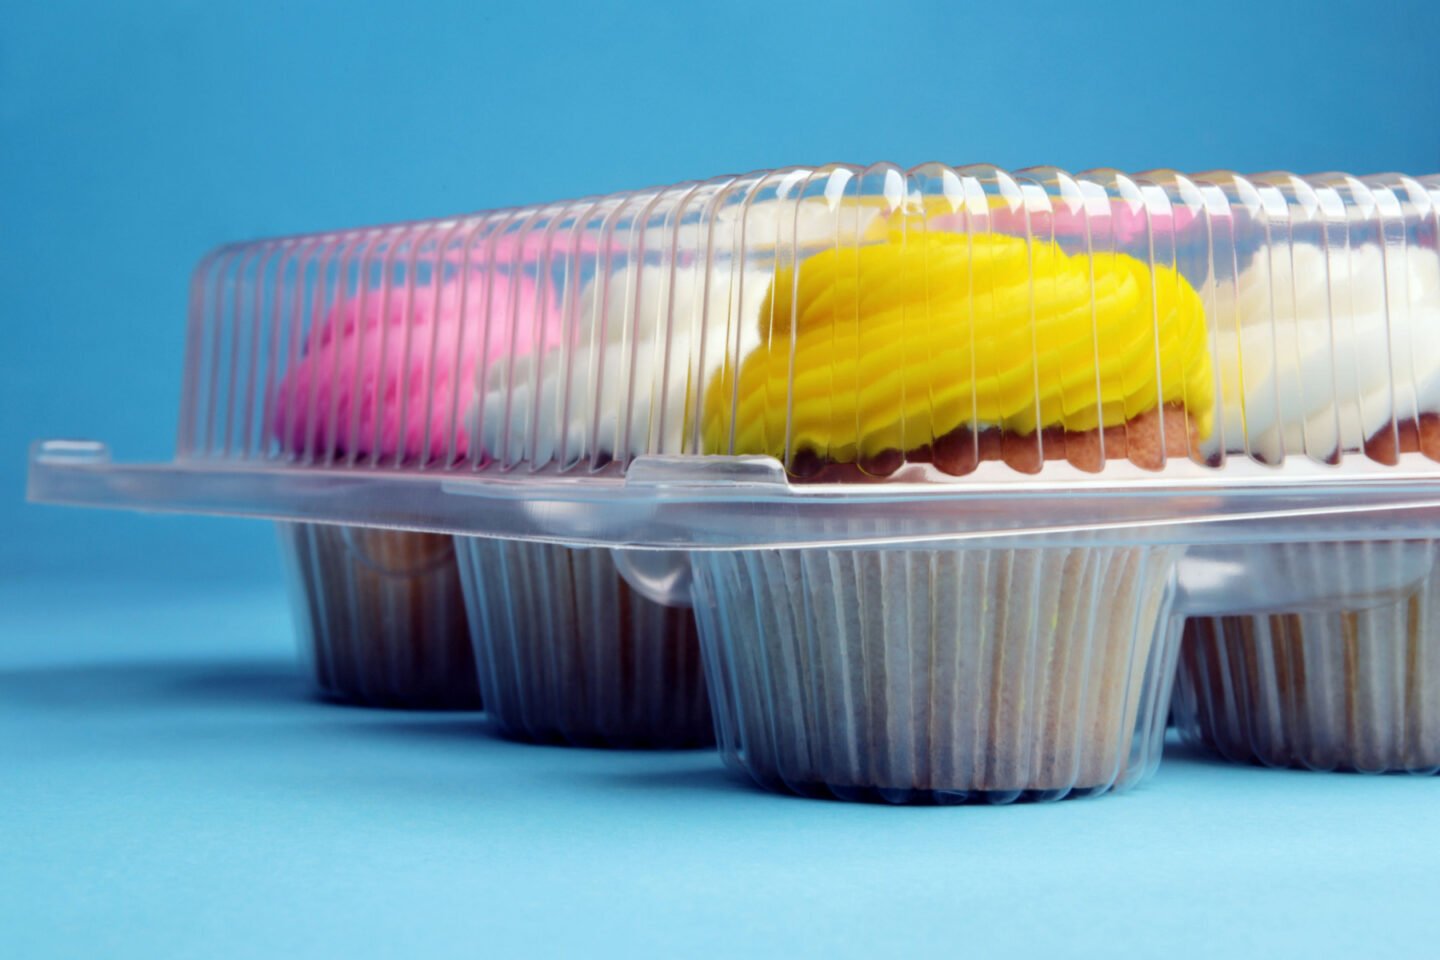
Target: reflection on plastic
(1291, 578)
(659, 575)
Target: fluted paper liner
(568, 653)
(381, 615)
(934, 675)
(1354, 689)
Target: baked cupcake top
(895, 344)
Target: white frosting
(1355, 341)
(664, 336)
(552, 414)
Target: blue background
(163, 785)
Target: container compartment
(1324, 689)
(380, 616)
(568, 653)
(939, 675)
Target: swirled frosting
(892, 345)
(627, 383)
(385, 372)
(1318, 350)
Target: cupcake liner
(939, 675)
(381, 615)
(1350, 689)
(567, 652)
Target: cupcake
(1357, 689)
(382, 381)
(953, 349)
(1352, 367)
(949, 673)
(381, 615)
(567, 651)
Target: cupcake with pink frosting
(383, 380)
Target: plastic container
(942, 457)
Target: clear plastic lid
(824, 356)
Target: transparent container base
(381, 616)
(940, 675)
(1353, 689)
(568, 653)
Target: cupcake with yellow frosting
(945, 673)
(952, 349)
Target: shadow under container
(1348, 681)
(945, 675)
(568, 653)
(381, 616)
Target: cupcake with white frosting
(566, 650)
(1326, 353)
(1323, 354)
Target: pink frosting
(355, 363)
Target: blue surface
(168, 789)
(166, 786)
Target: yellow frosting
(897, 343)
